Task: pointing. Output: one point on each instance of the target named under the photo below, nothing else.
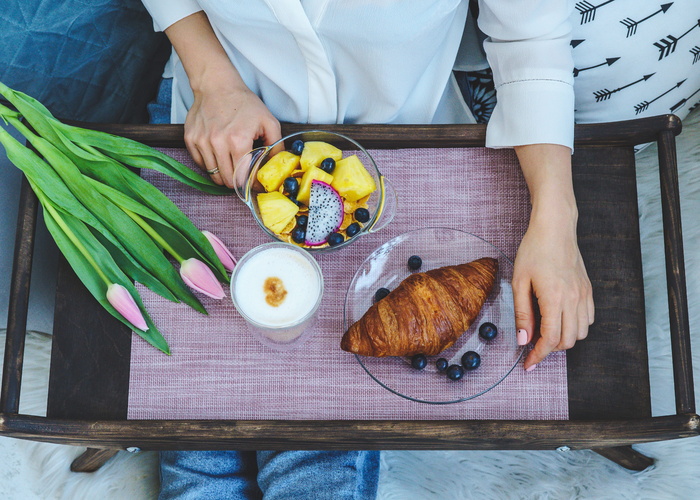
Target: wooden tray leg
(626, 456)
(91, 460)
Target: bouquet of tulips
(112, 226)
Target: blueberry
(297, 147)
(441, 364)
(294, 200)
(328, 165)
(455, 372)
(488, 331)
(352, 229)
(291, 186)
(298, 234)
(381, 293)
(419, 361)
(414, 262)
(335, 239)
(302, 220)
(471, 360)
(361, 215)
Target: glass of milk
(277, 288)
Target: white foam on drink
(298, 276)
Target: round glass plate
(387, 267)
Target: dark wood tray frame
(88, 407)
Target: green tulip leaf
(111, 173)
(46, 179)
(152, 204)
(130, 152)
(112, 225)
(134, 239)
(86, 272)
(175, 239)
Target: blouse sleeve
(167, 12)
(529, 50)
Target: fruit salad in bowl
(318, 190)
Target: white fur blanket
(40, 471)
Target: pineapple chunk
(276, 210)
(312, 174)
(316, 151)
(277, 169)
(352, 180)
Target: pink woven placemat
(219, 371)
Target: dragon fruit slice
(325, 213)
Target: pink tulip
(197, 275)
(225, 256)
(124, 303)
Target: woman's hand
(548, 265)
(221, 126)
(226, 117)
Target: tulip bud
(124, 303)
(198, 276)
(225, 256)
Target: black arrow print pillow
(635, 58)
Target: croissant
(426, 313)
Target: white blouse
(391, 61)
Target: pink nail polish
(529, 369)
(521, 337)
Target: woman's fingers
(191, 145)
(220, 129)
(242, 162)
(222, 153)
(583, 320)
(211, 166)
(564, 321)
(218, 155)
(550, 334)
(590, 306)
(272, 132)
(569, 327)
(199, 146)
(524, 310)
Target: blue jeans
(159, 110)
(273, 475)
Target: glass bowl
(387, 267)
(381, 203)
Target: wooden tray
(608, 377)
